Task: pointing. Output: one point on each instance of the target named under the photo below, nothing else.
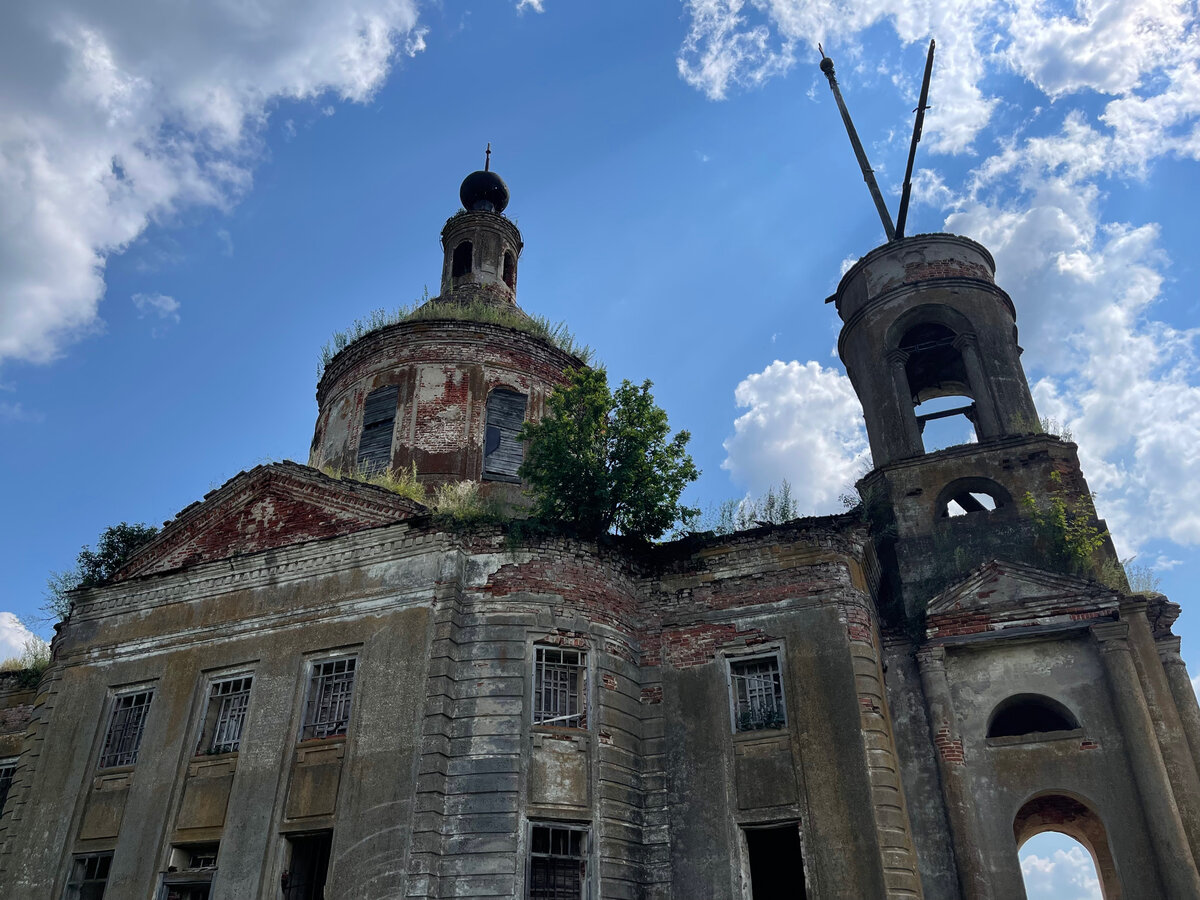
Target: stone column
(1168, 727)
(904, 409)
(947, 745)
(1176, 864)
(1181, 690)
(988, 425)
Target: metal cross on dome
(893, 232)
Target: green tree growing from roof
(602, 461)
(115, 546)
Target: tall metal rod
(922, 105)
(863, 163)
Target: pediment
(1000, 585)
(268, 507)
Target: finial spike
(487, 158)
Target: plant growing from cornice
(401, 481)
(93, 568)
(1067, 531)
(602, 461)
(556, 334)
(30, 663)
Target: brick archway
(1074, 818)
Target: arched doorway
(1072, 817)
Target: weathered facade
(308, 687)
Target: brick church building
(311, 687)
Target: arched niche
(1073, 816)
(971, 495)
(461, 262)
(1024, 715)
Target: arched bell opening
(1075, 818)
(964, 496)
(939, 379)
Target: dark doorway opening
(308, 866)
(776, 869)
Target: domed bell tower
(928, 336)
(481, 247)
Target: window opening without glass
(776, 866)
(757, 688)
(8, 768)
(560, 687)
(327, 710)
(557, 862)
(308, 866)
(89, 876)
(125, 727)
(228, 701)
(502, 449)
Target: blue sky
(197, 196)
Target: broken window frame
(8, 770)
(567, 867)
(748, 711)
(560, 686)
(88, 870)
(329, 697)
(126, 728)
(190, 868)
(227, 703)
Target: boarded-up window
(379, 414)
(502, 452)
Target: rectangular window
(89, 876)
(225, 717)
(190, 872)
(308, 866)
(560, 687)
(327, 710)
(125, 727)
(8, 768)
(776, 863)
(379, 417)
(757, 693)
(557, 862)
(502, 450)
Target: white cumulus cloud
(1062, 875)
(803, 423)
(13, 636)
(1122, 83)
(116, 115)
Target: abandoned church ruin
(310, 687)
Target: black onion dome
(484, 191)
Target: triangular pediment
(1000, 585)
(268, 507)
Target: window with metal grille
(560, 687)
(190, 872)
(8, 768)
(379, 417)
(557, 862)
(125, 728)
(502, 450)
(757, 693)
(89, 877)
(228, 700)
(327, 710)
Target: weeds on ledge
(30, 663)
(476, 311)
(399, 481)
